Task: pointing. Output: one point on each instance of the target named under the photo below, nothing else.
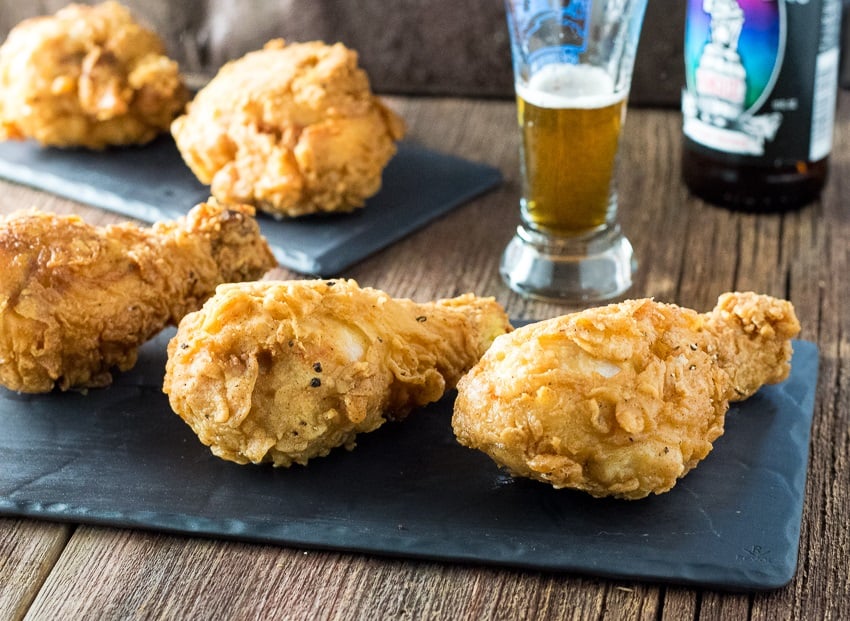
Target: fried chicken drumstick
(76, 301)
(621, 400)
(283, 372)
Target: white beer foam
(561, 85)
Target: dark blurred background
(424, 47)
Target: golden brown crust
(286, 371)
(76, 300)
(88, 76)
(621, 400)
(292, 129)
(754, 335)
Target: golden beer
(570, 117)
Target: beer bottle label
(761, 78)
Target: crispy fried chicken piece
(88, 76)
(283, 372)
(292, 129)
(625, 399)
(76, 301)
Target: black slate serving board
(119, 456)
(152, 183)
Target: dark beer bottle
(758, 107)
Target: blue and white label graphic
(551, 35)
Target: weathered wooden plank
(679, 603)
(654, 209)
(110, 572)
(825, 590)
(28, 550)
(721, 607)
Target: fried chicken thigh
(292, 129)
(76, 301)
(88, 76)
(625, 399)
(283, 372)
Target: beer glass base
(594, 267)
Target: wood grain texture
(204, 579)
(28, 551)
(689, 252)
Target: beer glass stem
(593, 266)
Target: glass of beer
(572, 62)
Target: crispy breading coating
(292, 129)
(625, 399)
(285, 371)
(753, 340)
(88, 76)
(76, 301)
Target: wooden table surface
(688, 252)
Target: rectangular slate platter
(118, 456)
(153, 183)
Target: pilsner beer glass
(572, 62)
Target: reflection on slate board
(152, 183)
(119, 456)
